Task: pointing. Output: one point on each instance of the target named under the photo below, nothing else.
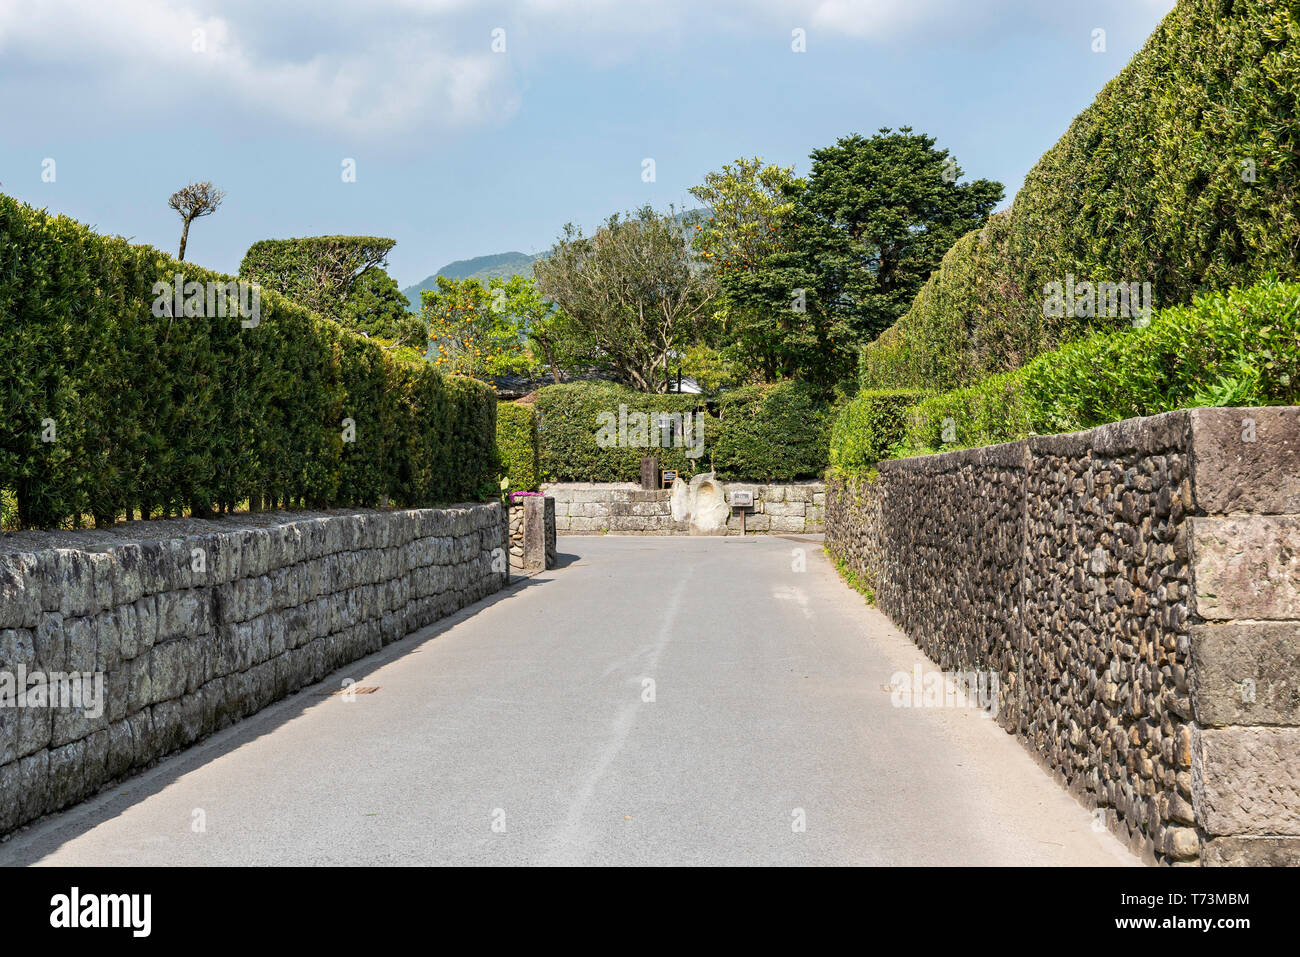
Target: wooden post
(649, 473)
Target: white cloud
(373, 80)
(376, 66)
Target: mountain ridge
(482, 268)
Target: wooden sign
(667, 477)
(741, 499)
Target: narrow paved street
(517, 733)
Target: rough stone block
(128, 585)
(8, 735)
(33, 785)
(68, 582)
(1246, 567)
(20, 591)
(1251, 852)
(51, 645)
(146, 619)
(169, 665)
(186, 613)
(139, 683)
(121, 750)
(124, 633)
(1247, 460)
(67, 775)
(81, 643)
(10, 796)
(1246, 673)
(17, 647)
(1247, 781)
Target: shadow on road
(31, 843)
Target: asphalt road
(519, 732)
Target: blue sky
(462, 151)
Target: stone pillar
(552, 556)
(535, 507)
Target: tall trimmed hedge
(1152, 183)
(156, 415)
(1239, 348)
(569, 418)
(868, 427)
(517, 444)
(775, 433)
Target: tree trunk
(550, 361)
(185, 234)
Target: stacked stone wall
(1136, 589)
(192, 625)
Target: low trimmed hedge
(517, 445)
(868, 427)
(1239, 348)
(569, 418)
(993, 411)
(774, 433)
(777, 432)
(153, 416)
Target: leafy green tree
(848, 254)
(377, 308)
(713, 369)
(634, 293)
(466, 336)
(546, 339)
(748, 204)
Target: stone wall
(194, 625)
(624, 508)
(1137, 589)
(532, 533)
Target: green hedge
(570, 417)
(1239, 348)
(775, 433)
(1147, 185)
(517, 444)
(772, 432)
(868, 427)
(157, 415)
(984, 414)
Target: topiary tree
(320, 272)
(193, 202)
